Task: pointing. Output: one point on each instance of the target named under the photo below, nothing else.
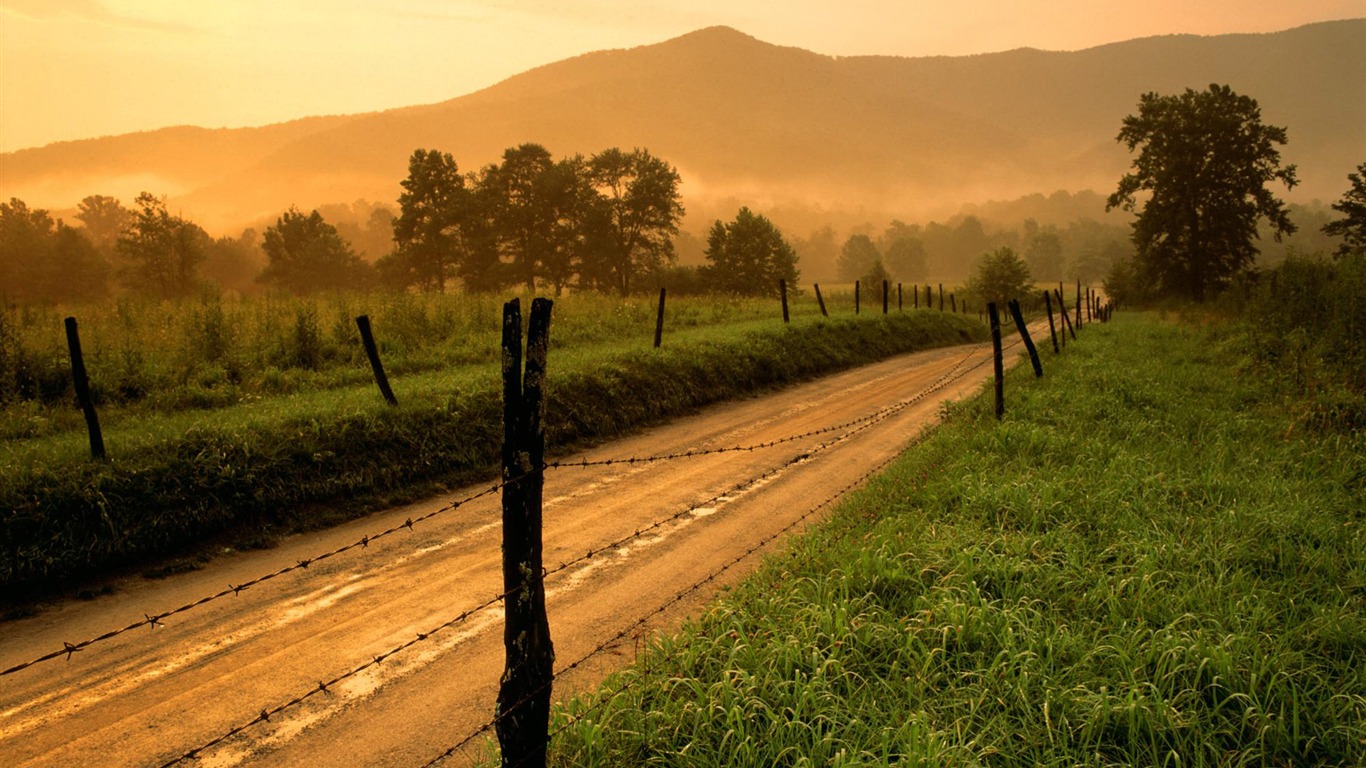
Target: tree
(1043, 250)
(749, 256)
(105, 219)
(638, 216)
(857, 257)
(163, 251)
(304, 254)
(429, 231)
(1352, 227)
(541, 212)
(47, 261)
(1001, 275)
(1205, 160)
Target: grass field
(1152, 560)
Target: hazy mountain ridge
(768, 124)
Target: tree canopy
(1352, 226)
(305, 254)
(1204, 161)
(1000, 276)
(45, 260)
(641, 209)
(163, 252)
(749, 256)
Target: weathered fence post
(524, 693)
(367, 340)
(820, 300)
(941, 297)
(953, 304)
(1078, 322)
(885, 292)
(997, 364)
(82, 384)
(899, 308)
(659, 320)
(915, 297)
(1052, 329)
(782, 289)
(856, 296)
(1065, 321)
(1024, 334)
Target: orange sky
(73, 69)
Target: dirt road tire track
(148, 696)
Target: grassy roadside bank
(1150, 561)
(181, 478)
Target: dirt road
(412, 598)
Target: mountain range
(751, 123)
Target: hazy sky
(81, 68)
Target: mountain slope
(767, 124)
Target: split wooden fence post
(1024, 334)
(82, 383)
(997, 364)
(524, 693)
(367, 340)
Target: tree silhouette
(1352, 227)
(163, 251)
(639, 215)
(1204, 161)
(749, 256)
(305, 254)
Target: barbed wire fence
(840, 433)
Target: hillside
(766, 124)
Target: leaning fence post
(1067, 323)
(1024, 334)
(782, 289)
(997, 364)
(1052, 329)
(659, 320)
(524, 693)
(367, 340)
(820, 300)
(953, 304)
(82, 384)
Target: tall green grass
(1140, 565)
(175, 478)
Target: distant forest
(113, 249)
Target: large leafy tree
(1000, 276)
(640, 212)
(541, 211)
(1205, 159)
(304, 254)
(857, 257)
(749, 256)
(1352, 227)
(105, 220)
(163, 252)
(431, 233)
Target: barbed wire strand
(641, 621)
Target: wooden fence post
(820, 300)
(1078, 321)
(856, 296)
(1065, 321)
(659, 320)
(782, 289)
(367, 340)
(953, 304)
(899, 308)
(997, 364)
(524, 693)
(885, 291)
(1052, 329)
(915, 297)
(82, 384)
(1024, 334)
(941, 297)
